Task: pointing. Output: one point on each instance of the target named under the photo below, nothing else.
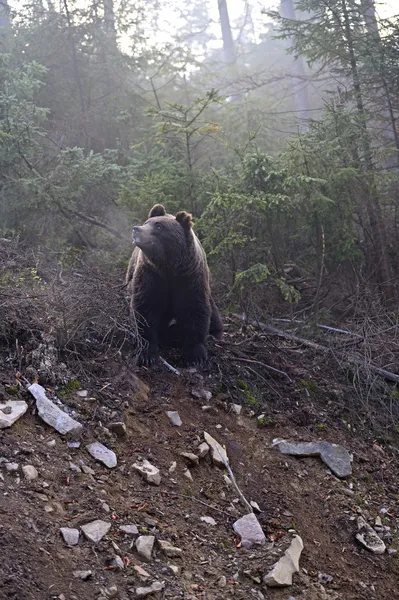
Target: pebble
(82, 393)
(222, 582)
(169, 550)
(129, 529)
(236, 408)
(172, 467)
(209, 520)
(283, 570)
(102, 454)
(392, 552)
(203, 450)
(74, 467)
(144, 546)
(30, 472)
(71, 536)
(118, 428)
(12, 467)
(142, 573)
(96, 530)
(142, 592)
(187, 473)
(87, 470)
(11, 411)
(82, 574)
(174, 418)
(51, 443)
(201, 394)
(115, 563)
(73, 445)
(175, 569)
(150, 473)
(192, 458)
(52, 414)
(250, 531)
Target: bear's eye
(158, 226)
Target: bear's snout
(136, 233)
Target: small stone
(106, 507)
(142, 573)
(83, 575)
(283, 570)
(75, 468)
(378, 522)
(118, 428)
(82, 393)
(73, 445)
(208, 520)
(174, 418)
(115, 563)
(172, 467)
(169, 550)
(129, 529)
(12, 467)
(222, 582)
(187, 473)
(219, 455)
(51, 443)
(87, 470)
(203, 450)
(227, 480)
(110, 592)
(175, 569)
(324, 578)
(71, 536)
(250, 531)
(144, 545)
(102, 454)
(142, 592)
(30, 473)
(236, 408)
(392, 552)
(369, 538)
(96, 530)
(11, 411)
(192, 458)
(150, 473)
(255, 506)
(201, 394)
(52, 414)
(336, 457)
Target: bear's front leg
(148, 303)
(193, 314)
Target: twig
(262, 364)
(233, 479)
(175, 371)
(177, 495)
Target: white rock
(144, 545)
(30, 473)
(150, 473)
(222, 582)
(250, 531)
(82, 574)
(174, 418)
(202, 394)
(172, 467)
(96, 530)
(219, 454)
(236, 408)
(283, 570)
(103, 454)
(209, 520)
(203, 450)
(175, 569)
(142, 592)
(169, 550)
(369, 538)
(192, 458)
(187, 473)
(142, 573)
(11, 411)
(71, 536)
(12, 467)
(51, 414)
(82, 393)
(129, 529)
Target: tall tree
(228, 42)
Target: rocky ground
(150, 510)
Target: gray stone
(169, 550)
(103, 454)
(150, 473)
(187, 473)
(11, 411)
(222, 582)
(142, 592)
(12, 467)
(30, 473)
(71, 536)
(202, 394)
(115, 562)
(208, 520)
(142, 573)
(118, 428)
(203, 450)
(82, 393)
(219, 454)
(336, 457)
(82, 574)
(236, 408)
(250, 531)
(144, 545)
(174, 418)
(75, 467)
(283, 570)
(192, 458)
(96, 530)
(129, 529)
(369, 538)
(51, 414)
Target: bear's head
(164, 239)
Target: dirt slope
(298, 494)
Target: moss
(69, 388)
(249, 397)
(310, 386)
(264, 421)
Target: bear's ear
(157, 211)
(185, 220)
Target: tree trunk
(228, 43)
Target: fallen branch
(326, 327)
(233, 479)
(262, 364)
(175, 371)
(349, 359)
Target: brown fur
(169, 280)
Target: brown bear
(170, 282)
